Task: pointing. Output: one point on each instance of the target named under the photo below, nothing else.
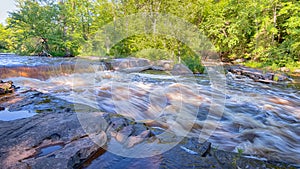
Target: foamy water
(261, 119)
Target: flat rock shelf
(54, 138)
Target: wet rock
(257, 75)
(238, 61)
(280, 77)
(163, 65)
(133, 140)
(265, 81)
(6, 87)
(205, 149)
(139, 128)
(123, 135)
(23, 140)
(180, 69)
(25, 137)
(136, 69)
(118, 123)
(284, 69)
(44, 54)
(2, 108)
(35, 102)
(130, 64)
(39, 72)
(235, 160)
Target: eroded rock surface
(258, 75)
(23, 140)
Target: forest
(258, 33)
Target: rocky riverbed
(55, 138)
(258, 75)
(91, 114)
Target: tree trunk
(274, 21)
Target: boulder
(284, 69)
(180, 69)
(296, 71)
(258, 75)
(163, 65)
(238, 61)
(130, 64)
(6, 87)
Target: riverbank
(291, 69)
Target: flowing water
(261, 119)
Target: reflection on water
(6, 115)
(47, 150)
(261, 119)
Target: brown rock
(180, 69)
(133, 140)
(6, 87)
(284, 69)
(163, 65)
(297, 71)
(130, 64)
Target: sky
(6, 5)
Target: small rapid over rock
(134, 110)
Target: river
(260, 119)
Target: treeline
(259, 32)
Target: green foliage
(157, 47)
(237, 157)
(5, 41)
(266, 33)
(153, 54)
